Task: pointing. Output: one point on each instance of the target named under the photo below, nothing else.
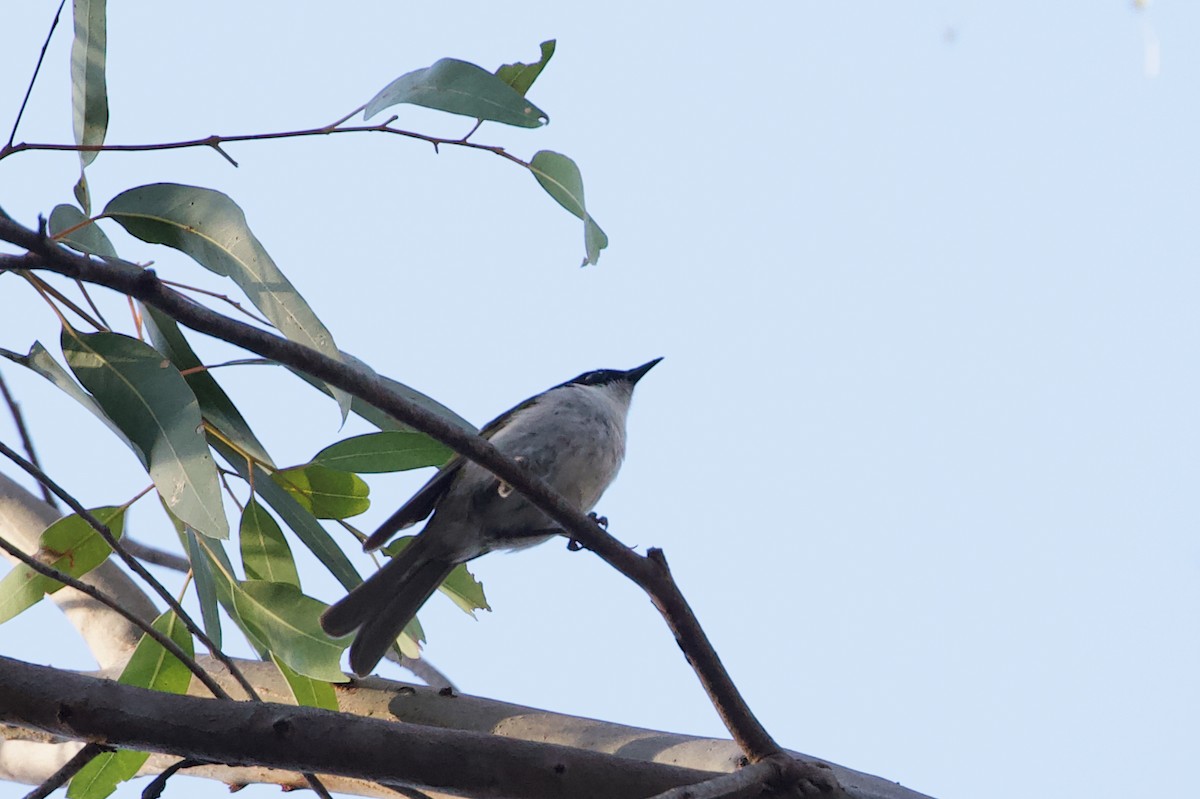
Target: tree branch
(301, 739)
(217, 142)
(650, 572)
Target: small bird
(572, 437)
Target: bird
(572, 436)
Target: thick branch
(650, 573)
(426, 708)
(303, 739)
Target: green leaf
(324, 492)
(560, 177)
(149, 400)
(467, 592)
(459, 87)
(521, 76)
(307, 691)
(384, 421)
(69, 545)
(265, 552)
(87, 237)
(295, 516)
(206, 588)
(89, 94)
(152, 667)
(210, 227)
(395, 451)
(41, 361)
(215, 405)
(287, 621)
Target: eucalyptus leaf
(560, 177)
(324, 492)
(459, 87)
(393, 451)
(85, 236)
(265, 552)
(69, 545)
(288, 622)
(215, 405)
(521, 76)
(150, 401)
(42, 362)
(210, 227)
(296, 517)
(307, 691)
(89, 92)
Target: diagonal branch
(649, 572)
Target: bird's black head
(602, 377)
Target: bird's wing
(422, 503)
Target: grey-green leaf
(208, 226)
(215, 404)
(521, 76)
(89, 94)
(459, 87)
(42, 362)
(287, 622)
(265, 552)
(296, 517)
(392, 451)
(307, 691)
(384, 421)
(149, 400)
(85, 235)
(70, 545)
(560, 177)
(206, 587)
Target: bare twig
(216, 142)
(33, 78)
(649, 572)
(19, 420)
(68, 770)
(159, 783)
(223, 297)
(157, 557)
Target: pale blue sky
(923, 450)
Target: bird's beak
(637, 374)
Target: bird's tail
(385, 603)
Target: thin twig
(159, 783)
(157, 557)
(649, 572)
(133, 564)
(69, 769)
(33, 78)
(19, 420)
(92, 305)
(222, 297)
(66, 579)
(216, 142)
(47, 291)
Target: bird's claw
(602, 521)
(573, 545)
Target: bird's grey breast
(573, 437)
